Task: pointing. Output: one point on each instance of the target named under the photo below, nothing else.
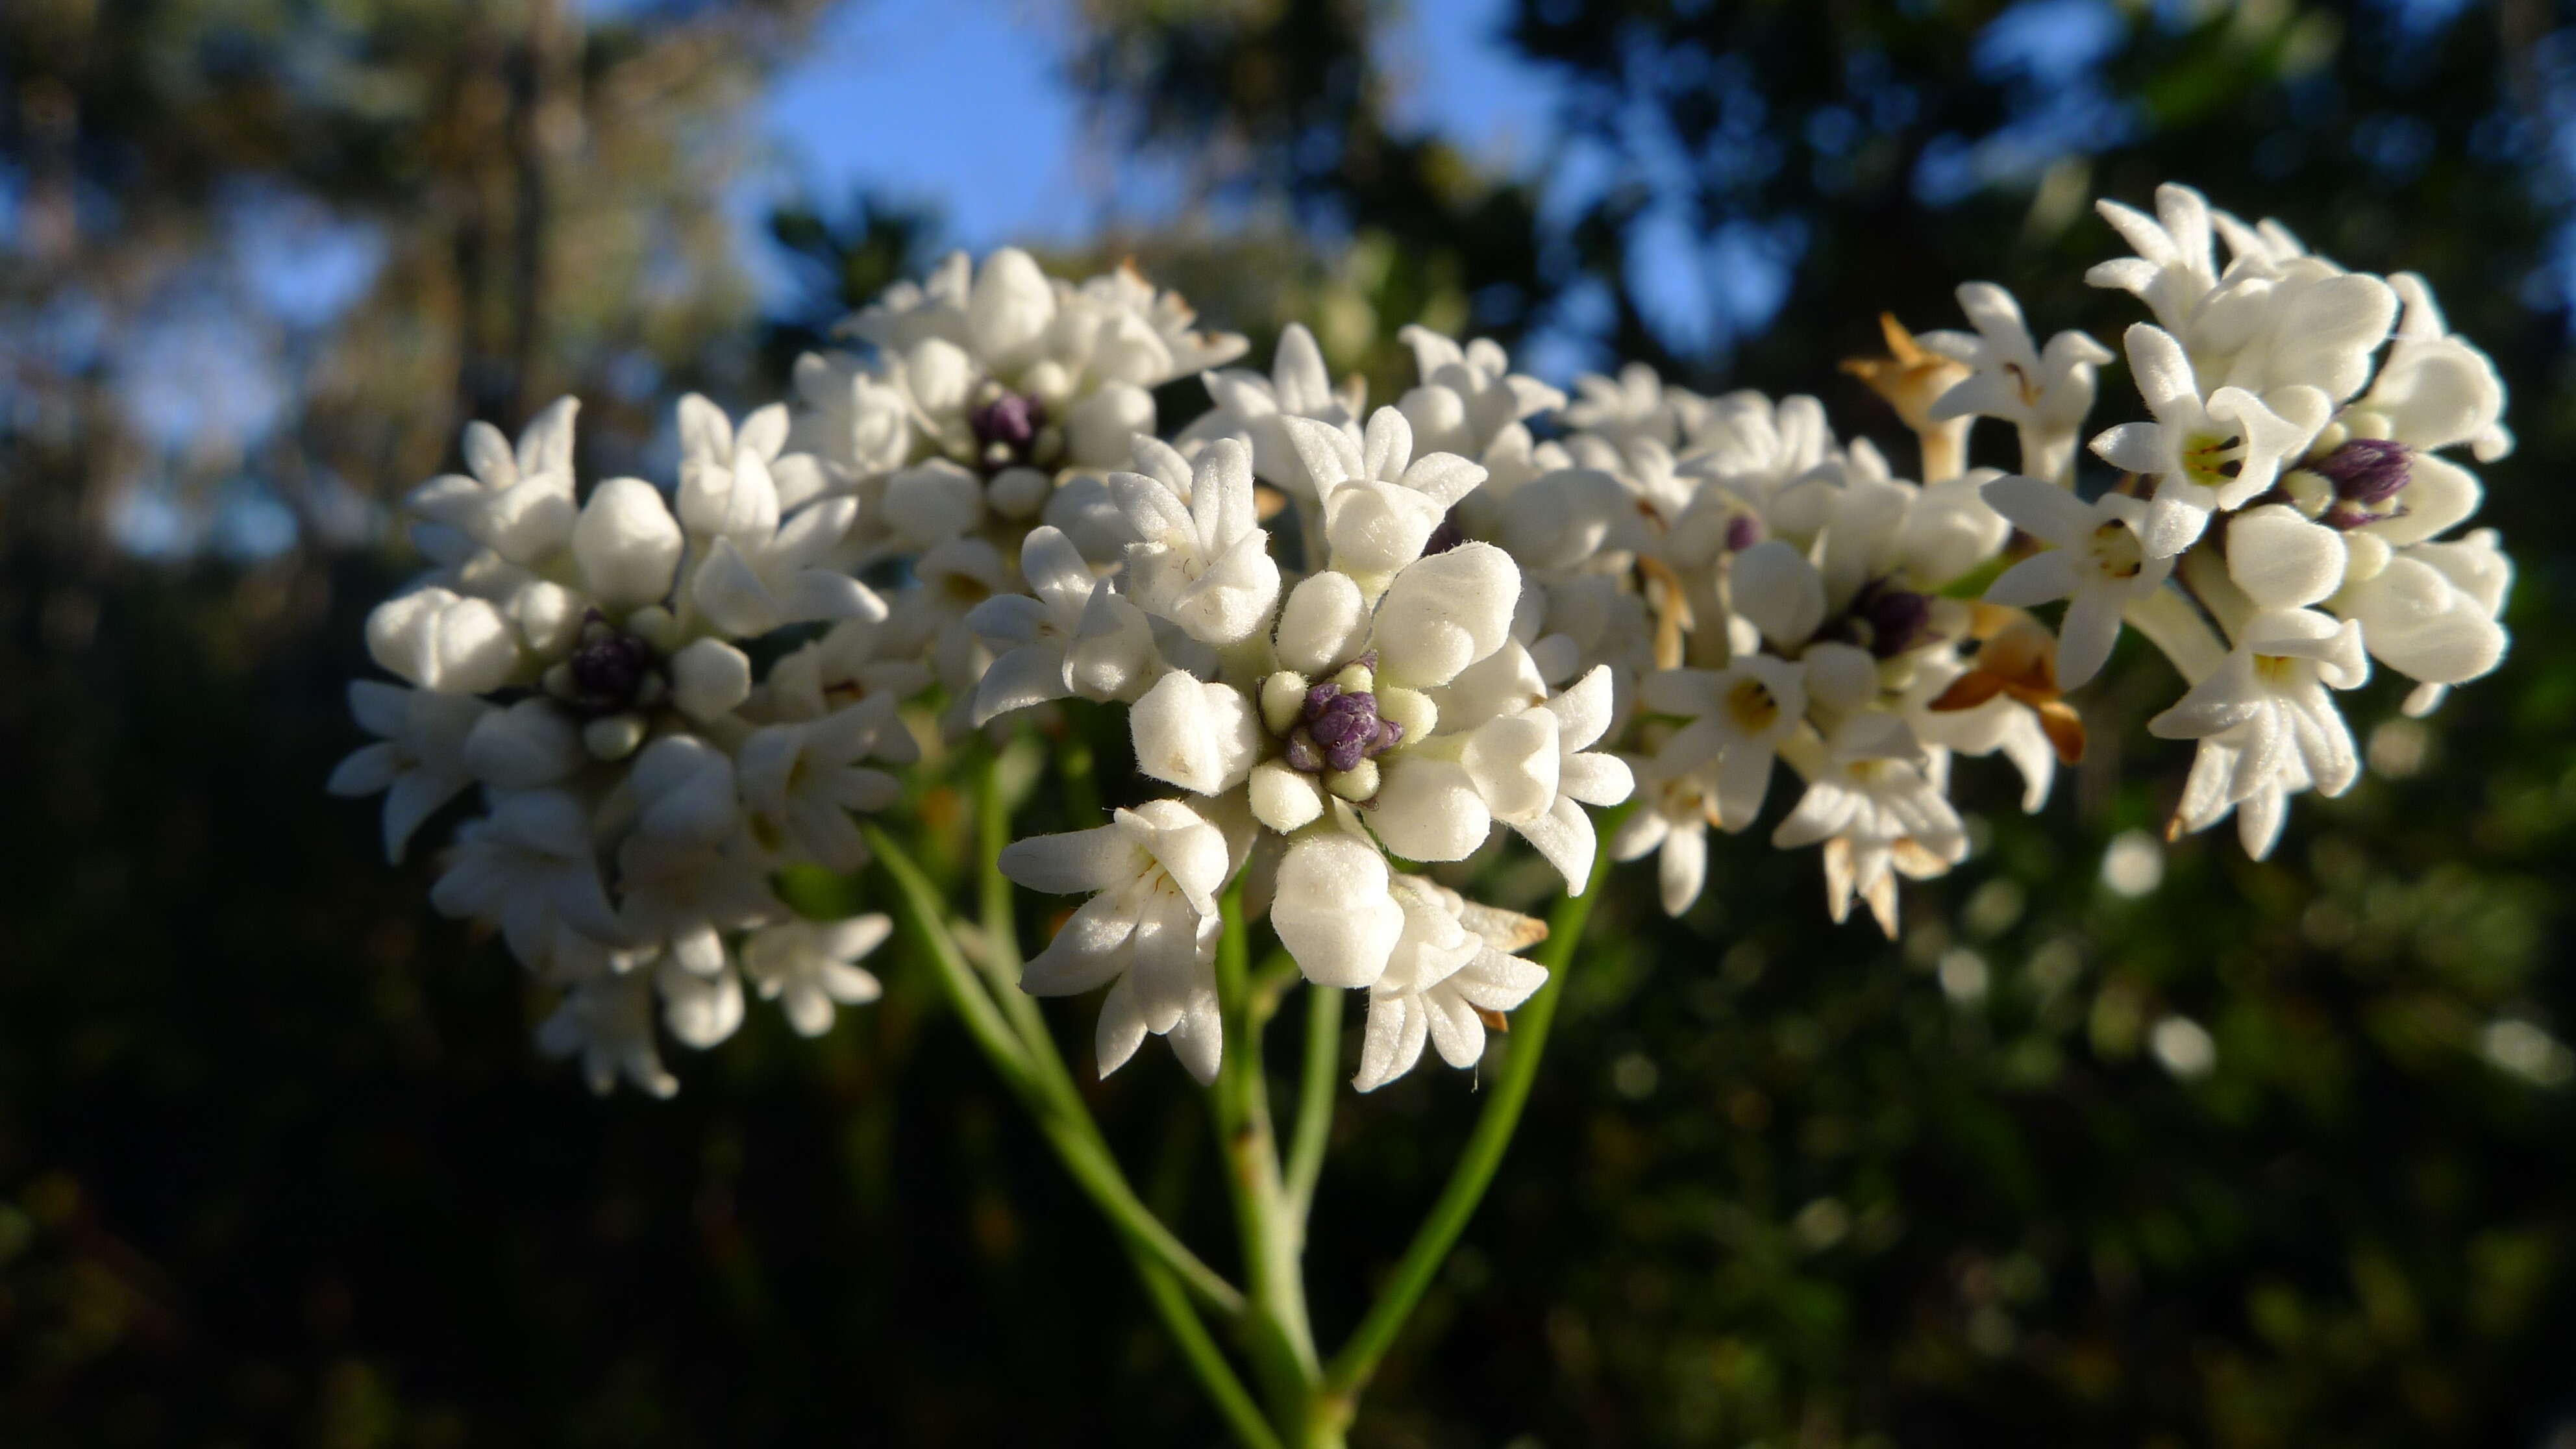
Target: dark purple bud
(1742, 532)
(1011, 420)
(1338, 729)
(1345, 728)
(2367, 471)
(1899, 619)
(608, 668)
(1302, 754)
(1444, 538)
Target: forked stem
(1351, 1368)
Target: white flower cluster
(1380, 706)
(588, 660)
(582, 662)
(2286, 516)
(1469, 598)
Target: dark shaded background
(278, 1165)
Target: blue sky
(960, 103)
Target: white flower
(519, 505)
(856, 422)
(1449, 973)
(2430, 612)
(607, 1021)
(1877, 808)
(856, 660)
(417, 759)
(1255, 407)
(1333, 908)
(2177, 262)
(809, 966)
(1738, 717)
(1524, 765)
(1381, 503)
(443, 641)
(2098, 563)
(2304, 322)
(700, 1009)
(2434, 388)
(2267, 725)
(2046, 394)
(765, 572)
(528, 867)
(737, 483)
(1150, 928)
(532, 743)
(1674, 810)
(1203, 737)
(1468, 396)
(1636, 404)
(2206, 454)
(1075, 637)
(1201, 558)
(627, 545)
(801, 781)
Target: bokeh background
(279, 1166)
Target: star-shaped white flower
(2046, 394)
(1148, 932)
(1451, 968)
(808, 967)
(2206, 454)
(2097, 562)
(417, 759)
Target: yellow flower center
(2116, 551)
(1751, 706)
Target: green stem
(1358, 1359)
(1070, 1132)
(1003, 962)
(1205, 1359)
(1279, 1338)
(1315, 1085)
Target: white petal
(1332, 910)
(2280, 559)
(1201, 737)
(627, 544)
(1444, 613)
(1324, 624)
(1779, 591)
(710, 678)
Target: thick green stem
(1358, 1359)
(1069, 1131)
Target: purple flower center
(2367, 471)
(1006, 426)
(1886, 620)
(608, 668)
(1337, 729)
(1444, 538)
(1742, 532)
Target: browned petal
(1493, 1020)
(2064, 728)
(1970, 690)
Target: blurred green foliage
(277, 1164)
